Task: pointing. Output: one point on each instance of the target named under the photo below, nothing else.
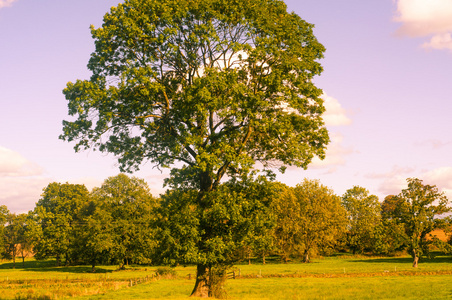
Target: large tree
(215, 85)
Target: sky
(387, 85)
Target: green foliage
(212, 230)
(166, 272)
(310, 219)
(364, 219)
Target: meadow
(339, 277)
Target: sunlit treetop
(217, 85)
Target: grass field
(340, 277)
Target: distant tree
(96, 236)
(120, 223)
(27, 241)
(390, 208)
(15, 237)
(287, 210)
(364, 217)
(421, 209)
(310, 218)
(390, 234)
(213, 85)
(57, 214)
(323, 219)
(4, 212)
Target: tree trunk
(201, 288)
(415, 259)
(306, 256)
(285, 258)
(22, 251)
(263, 259)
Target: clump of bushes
(166, 272)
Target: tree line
(120, 222)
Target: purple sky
(387, 85)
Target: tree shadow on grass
(49, 266)
(406, 260)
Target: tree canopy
(214, 84)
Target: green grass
(342, 277)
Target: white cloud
(396, 171)
(392, 185)
(20, 194)
(335, 154)
(6, 3)
(21, 182)
(335, 114)
(434, 143)
(394, 181)
(441, 177)
(13, 164)
(439, 42)
(431, 18)
(89, 182)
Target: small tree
(420, 208)
(310, 218)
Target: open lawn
(340, 277)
